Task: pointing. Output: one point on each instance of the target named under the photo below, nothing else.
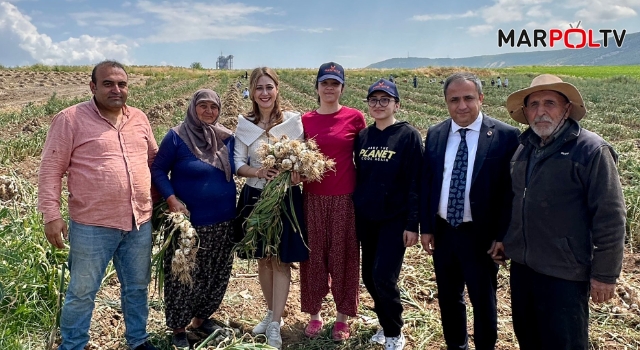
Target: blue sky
(288, 33)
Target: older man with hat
(566, 236)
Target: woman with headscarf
(198, 153)
(267, 119)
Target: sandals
(313, 329)
(340, 331)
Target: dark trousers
(461, 258)
(382, 255)
(548, 313)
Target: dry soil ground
(19, 87)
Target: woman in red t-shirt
(334, 257)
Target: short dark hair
(463, 76)
(110, 63)
(526, 98)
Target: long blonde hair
(276, 113)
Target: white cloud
(480, 30)
(538, 11)
(598, 11)
(441, 17)
(81, 50)
(47, 25)
(590, 11)
(200, 21)
(550, 23)
(600, 4)
(505, 11)
(316, 30)
(105, 18)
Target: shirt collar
(475, 126)
(248, 132)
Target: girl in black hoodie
(388, 158)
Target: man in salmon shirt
(105, 147)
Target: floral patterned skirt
(214, 261)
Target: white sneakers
(273, 335)
(390, 343)
(261, 327)
(270, 329)
(394, 343)
(378, 338)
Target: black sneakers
(206, 328)
(179, 340)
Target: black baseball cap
(331, 70)
(386, 86)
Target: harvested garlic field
(33, 275)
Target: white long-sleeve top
(250, 136)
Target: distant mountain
(612, 55)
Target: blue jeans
(91, 249)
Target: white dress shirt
(453, 141)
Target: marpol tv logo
(571, 38)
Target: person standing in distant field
(105, 147)
(391, 78)
(198, 155)
(493, 82)
(466, 208)
(388, 157)
(415, 82)
(334, 257)
(498, 82)
(566, 237)
(245, 93)
(506, 83)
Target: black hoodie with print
(388, 164)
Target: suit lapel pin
(489, 133)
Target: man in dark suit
(466, 208)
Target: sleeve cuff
(412, 226)
(605, 279)
(51, 216)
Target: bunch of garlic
(297, 155)
(186, 247)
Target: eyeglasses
(372, 102)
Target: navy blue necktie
(455, 205)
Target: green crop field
(33, 274)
